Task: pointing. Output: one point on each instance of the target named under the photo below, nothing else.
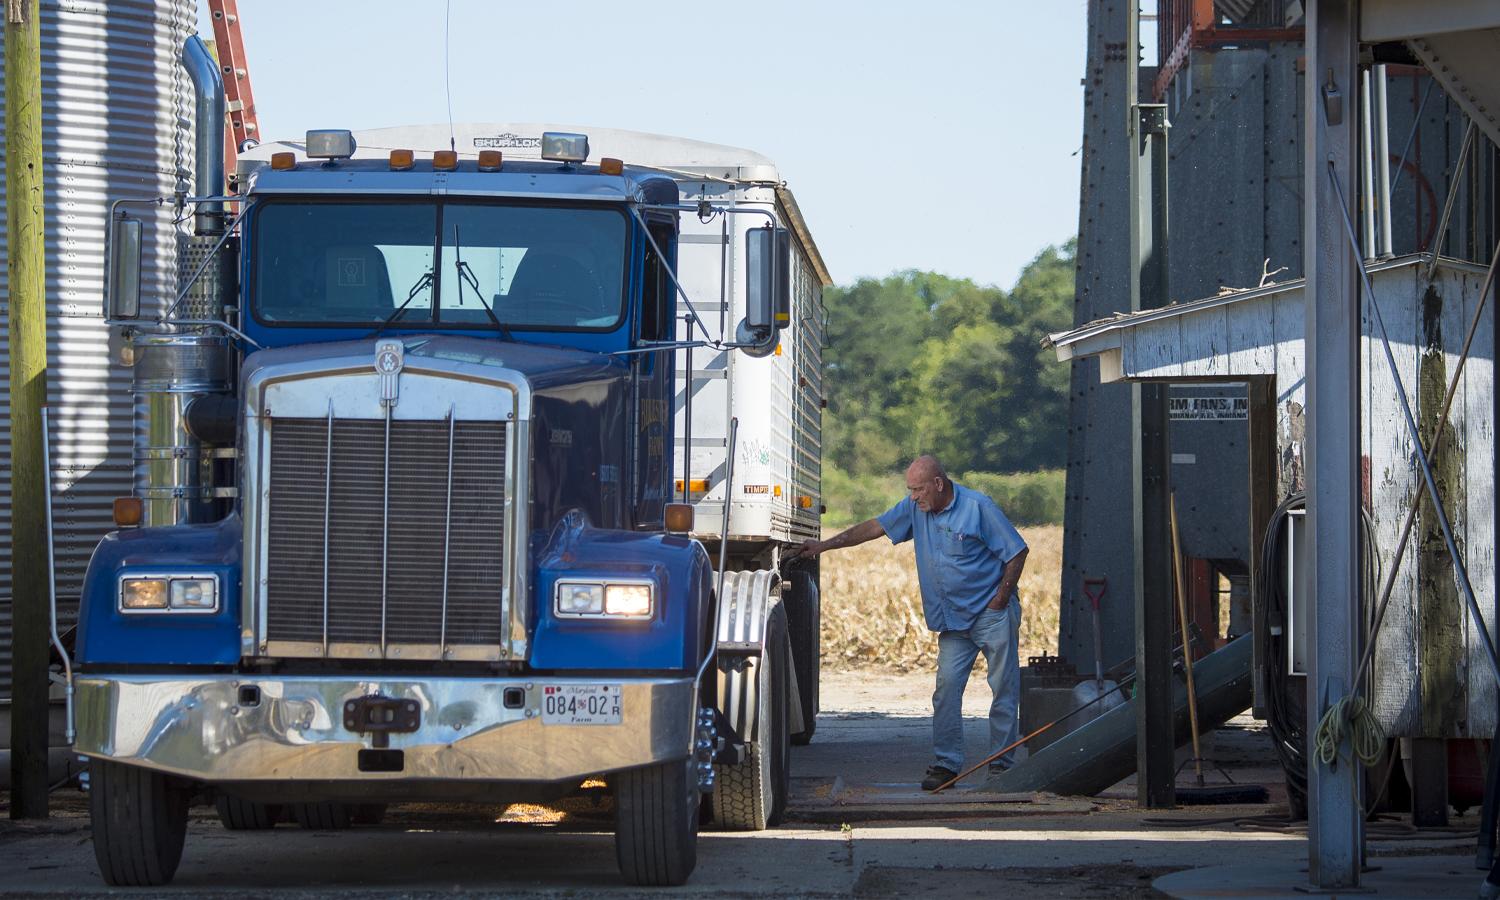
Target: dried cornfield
(872, 609)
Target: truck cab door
(654, 383)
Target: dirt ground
(858, 827)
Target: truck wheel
(656, 823)
(321, 816)
(752, 795)
(139, 822)
(804, 627)
(242, 815)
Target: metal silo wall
(115, 108)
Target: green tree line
(919, 362)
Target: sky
(941, 135)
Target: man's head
(928, 483)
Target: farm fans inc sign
(1208, 408)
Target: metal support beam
(27, 343)
(1146, 127)
(1335, 826)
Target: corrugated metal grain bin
(116, 107)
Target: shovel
(1089, 691)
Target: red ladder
(242, 131)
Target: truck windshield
(523, 267)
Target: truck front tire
(656, 823)
(139, 822)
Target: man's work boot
(937, 776)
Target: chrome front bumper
(203, 728)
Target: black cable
(1286, 708)
(1285, 712)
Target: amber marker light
(128, 512)
(445, 160)
(678, 518)
(611, 166)
(401, 160)
(804, 501)
(284, 160)
(489, 160)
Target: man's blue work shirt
(961, 551)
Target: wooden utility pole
(27, 337)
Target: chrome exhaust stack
(175, 467)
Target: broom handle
(1187, 650)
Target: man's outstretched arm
(868, 530)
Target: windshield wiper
(423, 282)
(466, 276)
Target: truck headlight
(143, 593)
(169, 593)
(627, 600)
(580, 599)
(604, 599)
(194, 593)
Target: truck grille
(385, 546)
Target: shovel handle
(1094, 588)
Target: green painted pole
(27, 337)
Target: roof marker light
(445, 160)
(283, 161)
(611, 166)
(401, 160)
(489, 160)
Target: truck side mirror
(122, 299)
(768, 294)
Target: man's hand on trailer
(867, 530)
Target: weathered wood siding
(1431, 678)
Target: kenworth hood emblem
(390, 356)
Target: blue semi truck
(417, 516)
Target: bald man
(969, 560)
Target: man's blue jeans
(996, 634)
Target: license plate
(581, 704)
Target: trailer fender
(744, 609)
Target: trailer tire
(139, 823)
(804, 617)
(367, 813)
(236, 814)
(656, 823)
(321, 816)
(752, 795)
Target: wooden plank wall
(1430, 677)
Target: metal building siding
(114, 117)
